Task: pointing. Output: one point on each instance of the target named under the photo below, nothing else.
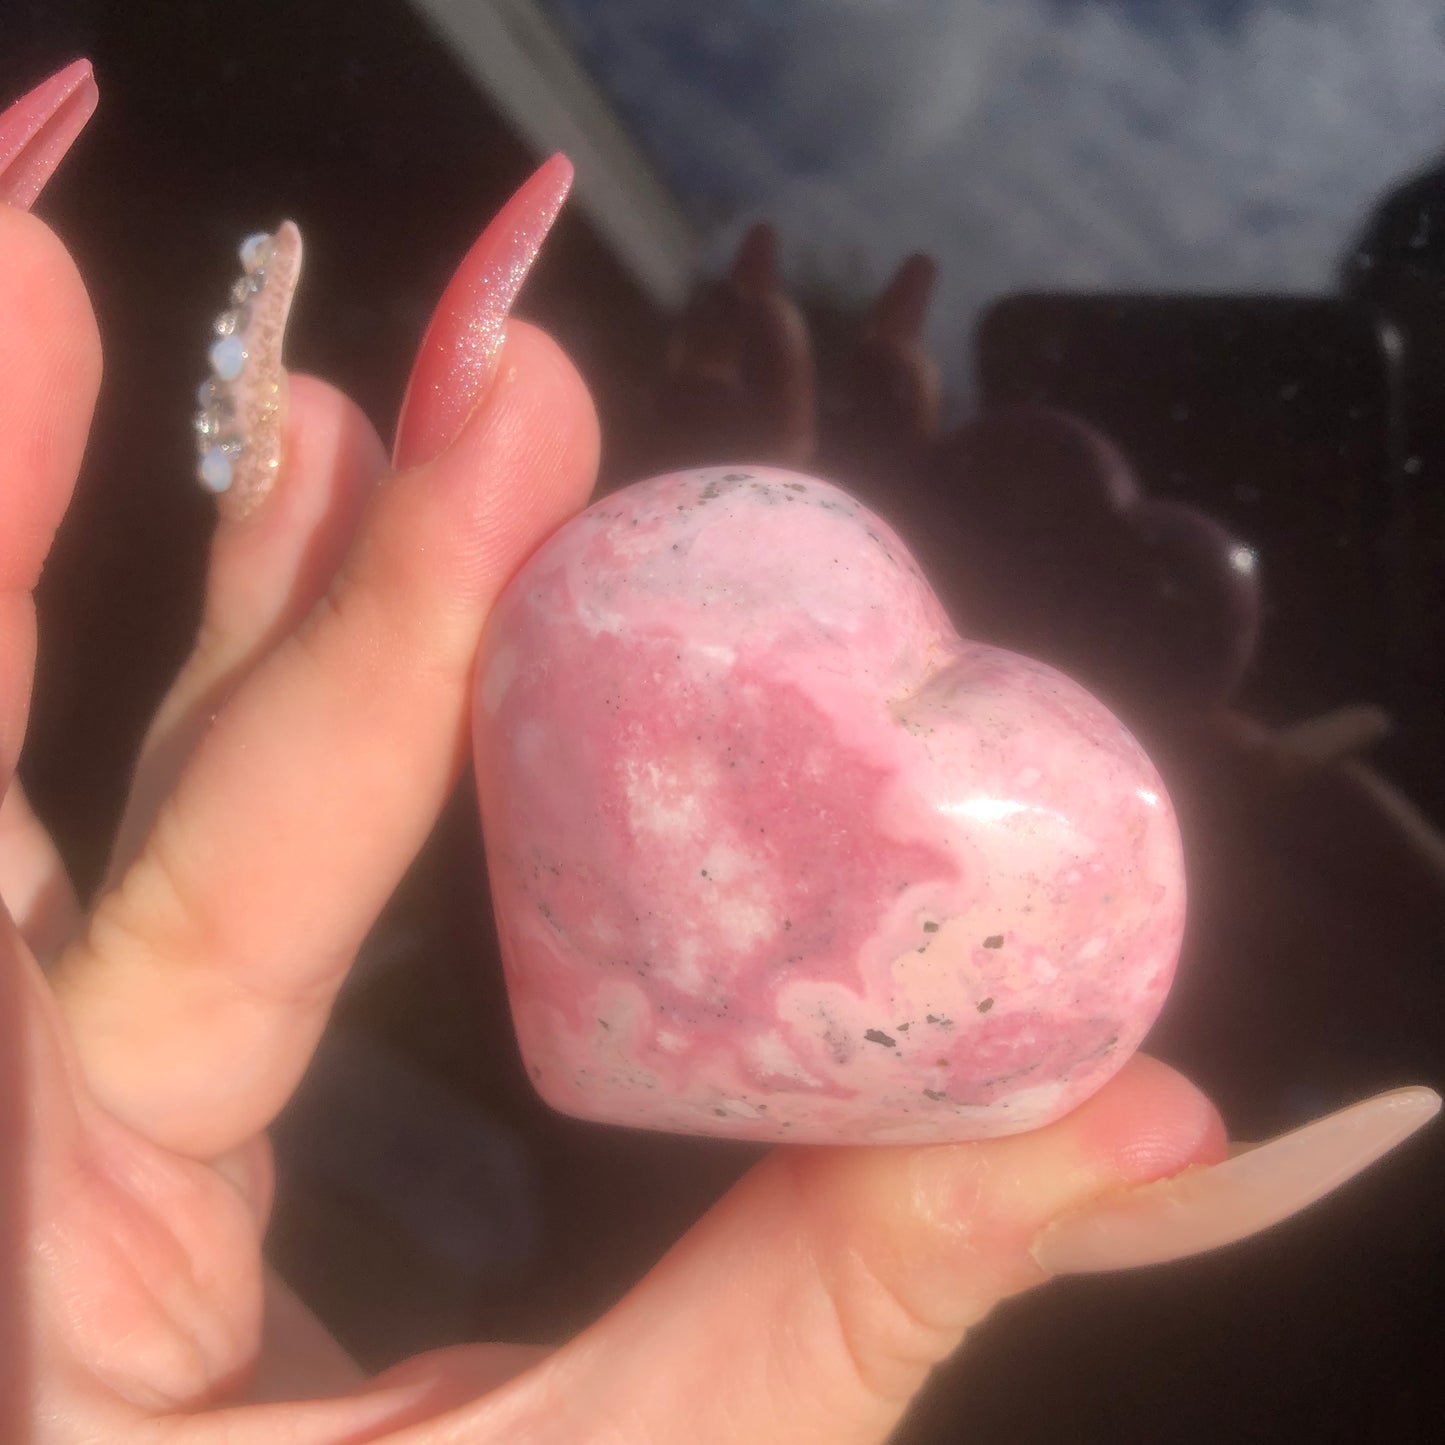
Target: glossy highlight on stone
(777, 854)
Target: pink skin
(776, 854)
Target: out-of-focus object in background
(881, 414)
(1273, 413)
(1396, 268)
(738, 380)
(1058, 554)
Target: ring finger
(268, 568)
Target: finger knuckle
(887, 1329)
(890, 1341)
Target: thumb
(814, 1299)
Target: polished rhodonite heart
(777, 854)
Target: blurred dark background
(1252, 340)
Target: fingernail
(37, 131)
(241, 424)
(459, 353)
(1203, 1209)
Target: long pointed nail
(241, 426)
(1206, 1208)
(39, 128)
(459, 353)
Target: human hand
(292, 771)
(885, 415)
(739, 378)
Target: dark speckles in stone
(795, 486)
(840, 1045)
(883, 546)
(994, 940)
(877, 1036)
(937, 1095)
(903, 1028)
(984, 1004)
(930, 927)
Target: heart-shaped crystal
(777, 854)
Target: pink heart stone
(777, 854)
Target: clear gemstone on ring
(228, 358)
(256, 251)
(246, 287)
(215, 471)
(232, 321)
(219, 444)
(211, 420)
